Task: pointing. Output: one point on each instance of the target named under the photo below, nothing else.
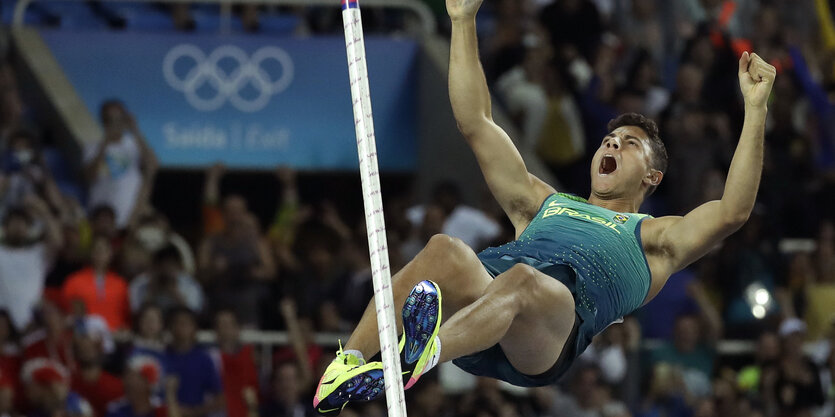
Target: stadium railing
(267, 340)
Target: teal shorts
(493, 363)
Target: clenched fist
(462, 9)
(756, 77)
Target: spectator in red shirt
(240, 378)
(89, 380)
(9, 364)
(6, 395)
(48, 391)
(52, 340)
(102, 291)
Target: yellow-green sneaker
(348, 379)
(421, 324)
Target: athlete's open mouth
(608, 165)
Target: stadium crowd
(101, 296)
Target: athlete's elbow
(471, 127)
(735, 221)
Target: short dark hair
(658, 159)
(226, 310)
(28, 135)
(168, 253)
(144, 309)
(175, 312)
(111, 102)
(100, 209)
(16, 212)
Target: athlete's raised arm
(682, 240)
(518, 192)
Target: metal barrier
(421, 11)
(266, 341)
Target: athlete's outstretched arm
(518, 192)
(683, 240)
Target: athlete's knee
(441, 244)
(459, 271)
(448, 252)
(533, 290)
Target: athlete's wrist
(756, 108)
(462, 20)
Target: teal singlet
(601, 246)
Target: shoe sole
(421, 323)
(366, 386)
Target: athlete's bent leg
(445, 260)
(528, 313)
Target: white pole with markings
(372, 200)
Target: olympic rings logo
(248, 71)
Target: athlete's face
(621, 165)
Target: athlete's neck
(618, 204)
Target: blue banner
(248, 101)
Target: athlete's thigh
(536, 337)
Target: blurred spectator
(575, 26)
(148, 337)
(24, 172)
(667, 394)
(7, 396)
(166, 284)
(52, 340)
(643, 77)
(285, 397)
(428, 401)
(431, 225)
(524, 92)
(235, 262)
(142, 379)
(119, 168)
(24, 261)
(506, 47)
(102, 291)
(240, 378)
(469, 224)
(612, 350)
(692, 350)
(303, 350)
(89, 379)
(288, 216)
(795, 389)
(70, 258)
(154, 232)
(318, 282)
(48, 391)
(200, 391)
(766, 358)
(102, 222)
(643, 29)
(357, 286)
(9, 365)
(11, 107)
(587, 397)
(818, 287)
(696, 146)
